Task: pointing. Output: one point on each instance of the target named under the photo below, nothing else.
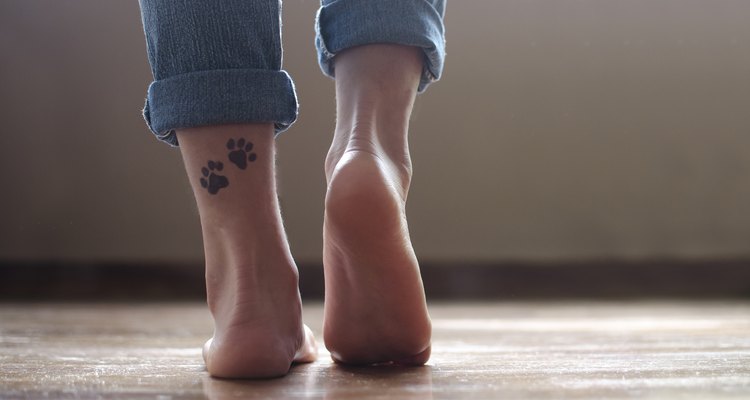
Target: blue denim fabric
(215, 62)
(341, 24)
(218, 62)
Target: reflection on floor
(501, 350)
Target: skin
(375, 309)
(251, 277)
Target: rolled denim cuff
(219, 97)
(341, 24)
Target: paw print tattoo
(211, 180)
(240, 152)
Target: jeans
(218, 62)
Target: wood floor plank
(577, 350)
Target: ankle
(376, 86)
(245, 261)
(388, 146)
(238, 284)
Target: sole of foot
(375, 310)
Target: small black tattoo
(211, 180)
(240, 152)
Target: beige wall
(565, 129)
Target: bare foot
(251, 278)
(375, 309)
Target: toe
(308, 352)
(206, 349)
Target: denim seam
(319, 36)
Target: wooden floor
(480, 351)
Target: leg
(381, 52)
(217, 78)
(251, 278)
(375, 307)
